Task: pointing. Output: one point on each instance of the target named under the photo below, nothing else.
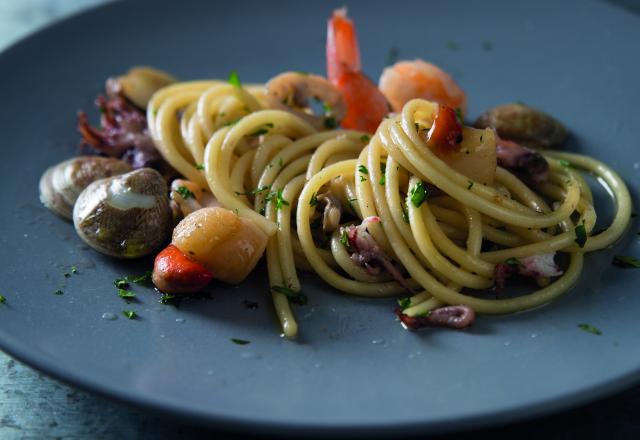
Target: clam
(61, 184)
(139, 84)
(525, 125)
(126, 216)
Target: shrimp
(186, 196)
(407, 80)
(291, 91)
(366, 105)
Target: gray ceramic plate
(353, 366)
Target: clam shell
(125, 216)
(525, 125)
(61, 184)
(139, 84)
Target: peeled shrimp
(291, 91)
(187, 196)
(407, 80)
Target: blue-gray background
(34, 406)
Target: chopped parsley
(365, 138)
(512, 262)
(363, 169)
(126, 294)
(167, 298)
(344, 238)
(590, 329)
(581, 235)
(280, 201)
(232, 123)
(262, 130)
(314, 200)
(626, 261)
(74, 270)
(200, 166)
(253, 192)
(404, 303)
(141, 279)
(234, 80)
(280, 162)
(2, 299)
(470, 185)
(58, 292)
(419, 194)
(382, 180)
(330, 122)
(240, 341)
(185, 192)
(121, 283)
(565, 163)
(130, 314)
(383, 169)
(296, 298)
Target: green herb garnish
(382, 180)
(126, 294)
(280, 202)
(314, 200)
(590, 329)
(185, 192)
(141, 279)
(626, 261)
(240, 341)
(234, 80)
(419, 194)
(470, 185)
(581, 235)
(365, 138)
(130, 314)
(296, 298)
(263, 130)
(344, 238)
(58, 292)
(512, 261)
(74, 269)
(330, 122)
(404, 303)
(405, 212)
(2, 299)
(167, 298)
(363, 169)
(200, 166)
(565, 163)
(121, 283)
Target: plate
(353, 366)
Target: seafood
(225, 244)
(139, 84)
(292, 91)
(406, 80)
(61, 184)
(366, 105)
(125, 216)
(525, 125)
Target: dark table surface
(33, 406)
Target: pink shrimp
(366, 105)
(407, 80)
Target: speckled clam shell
(61, 184)
(525, 125)
(125, 216)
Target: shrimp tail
(343, 54)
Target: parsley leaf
(130, 314)
(234, 80)
(581, 235)
(296, 298)
(344, 238)
(314, 200)
(168, 298)
(121, 283)
(126, 294)
(2, 299)
(590, 329)
(626, 261)
(58, 292)
(240, 341)
(74, 269)
(565, 163)
(185, 192)
(141, 279)
(365, 138)
(405, 212)
(262, 130)
(512, 262)
(470, 185)
(280, 202)
(404, 303)
(363, 169)
(200, 166)
(419, 194)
